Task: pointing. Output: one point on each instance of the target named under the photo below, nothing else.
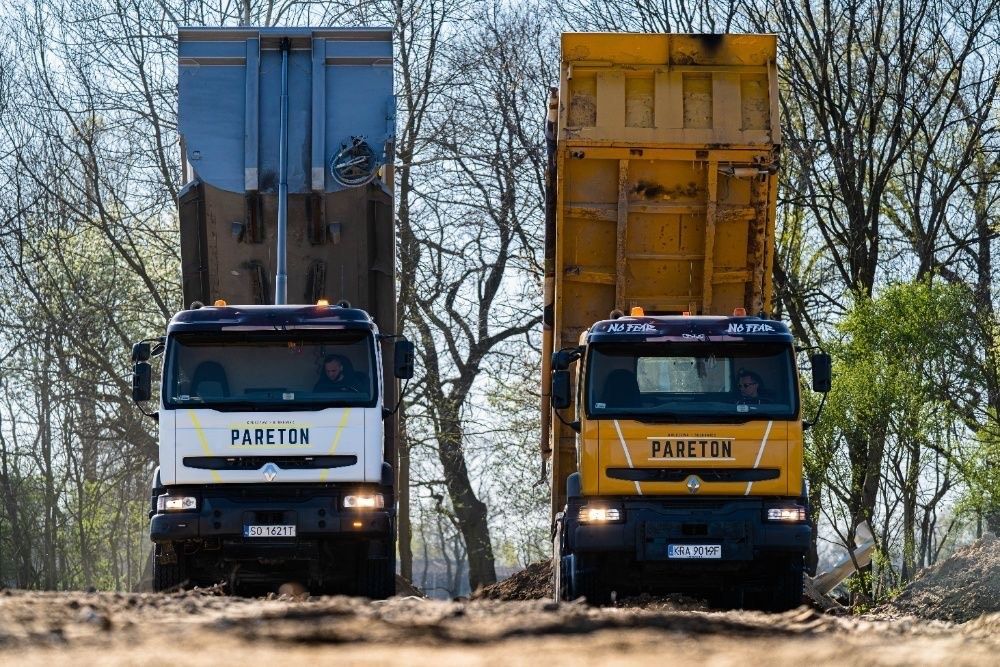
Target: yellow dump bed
(666, 161)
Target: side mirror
(402, 359)
(822, 373)
(563, 358)
(142, 382)
(560, 389)
(560, 361)
(141, 352)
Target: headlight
(599, 514)
(168, 503)
(788, 514)
(366, 502)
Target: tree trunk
(403, 493)
(50, 500)
(470, 511)
(909, 493)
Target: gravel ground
(197, 628)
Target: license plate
(268, 531)
(694, 551)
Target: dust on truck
(673, 419)
(277, 425)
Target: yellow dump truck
(671, 407)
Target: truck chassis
(335, 550)
(760, 565)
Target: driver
(751, 387)
(337, 374)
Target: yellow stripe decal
(336, 439)
(760, 453)
(204, 441)
(628, 457)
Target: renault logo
(693, 484)
(270, 472)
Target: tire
(564, 589)
(787, 580)
(586, 581)
(560, 578)
(378, 576)
(169, 577)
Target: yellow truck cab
(673, 418)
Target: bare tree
(479, 236)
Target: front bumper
(315, 511)
(651, 524)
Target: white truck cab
(272, 466)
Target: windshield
(270, 370)
(681, 381)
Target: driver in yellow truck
(751, 387)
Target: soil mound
(671, 602)
(960, 588)
(532, 583)
(535, 583)
(405, 588)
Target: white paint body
(190, 431)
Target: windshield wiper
(693, 418)
(656, 419)
(229, 406)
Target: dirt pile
(532, 583)
(405, 588)
(535, 583)
(672, 602)
(960, 588)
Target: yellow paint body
(666, 182)
(602, 448)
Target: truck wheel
(586, 581)
(378, 577)
(168, 577)
(563, 588)
(560, 578)
(787, 583)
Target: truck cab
(272, 464)
(689, 459)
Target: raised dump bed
(666, 153)
(340, 142)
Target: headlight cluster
(364, 502)
(168, 503)
(789, 514)
(600, 514)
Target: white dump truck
(277, 401)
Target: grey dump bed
(340, 242)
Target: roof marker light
(686, 313)
(220, 303)
(323, 302)
(637, 311)
(739, 312)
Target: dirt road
(199, 629)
